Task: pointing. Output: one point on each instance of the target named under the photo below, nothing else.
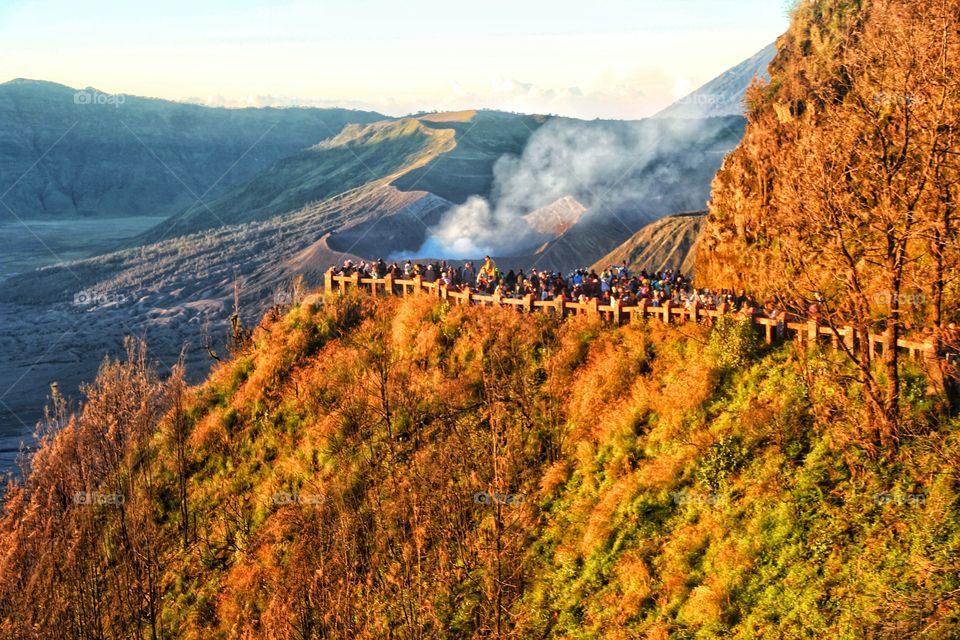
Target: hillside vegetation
(407, 469)
(846, 180)
(843, 192)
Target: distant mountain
(482, 138)
(451, 155)
(723, 96)
(663, 244)
(68, 152)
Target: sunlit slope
(407, 468)
(663, 244)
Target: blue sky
(604, 58)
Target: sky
(587, 59)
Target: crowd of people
(615, 282)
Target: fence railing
(804, 331)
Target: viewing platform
(806, 332)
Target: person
(606, 280)
(510, 281)
(446, 279)
(489, 269)
(469, 275)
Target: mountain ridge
(723, 95)
(666, 243)
(70, 154)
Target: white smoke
(628, 172)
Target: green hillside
(409, 469)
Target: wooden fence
(804, 331)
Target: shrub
(733, 343)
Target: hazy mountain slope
(446, 155)
(467, 170)
(380, 236)
(185, 265)
(639, 171)
(724, 95)
(360, 155)
(665, 243)
(139, 156)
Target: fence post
(931, 348)
(593, 307)
(417, 284)
(667, 306)
(528, 303)
(768, 335)
(813, 332)
(849, 337)
(388, 284)
(328, 280)
(695, 312)
(615, 305)
(444, 292)
(642, 309)
(561, 301)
